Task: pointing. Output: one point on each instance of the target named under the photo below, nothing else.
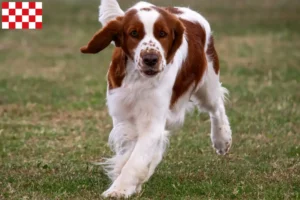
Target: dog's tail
(109, 10)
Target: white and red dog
(164, 64)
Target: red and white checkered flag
(22, 15)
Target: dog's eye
(134, 34)
(162, 34)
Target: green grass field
(54, 122)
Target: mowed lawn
(54, 123)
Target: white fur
(142, 4)
(109, 10)
(140, 108)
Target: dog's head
(150, 37)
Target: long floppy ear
(111, 32)
(178, 31)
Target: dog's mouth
(150, 72)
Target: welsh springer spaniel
(164, 64)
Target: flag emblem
(22, 15)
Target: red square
(4, 5)
(25, 11)
(25, 25)
(4, 18)
(11, 25)
(31, 4)
(18, 18)
(38, 11)
(31, 18)
(11, 11)
(39, 25)
(19, 5)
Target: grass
(54, 123)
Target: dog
(164, 64)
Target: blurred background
(54, 122)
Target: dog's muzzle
(150, 63)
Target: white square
(25, 5)
(38, 5)
(31, 25)
(4, 25)
(38, 18)
(18, 25)
(4, 12)
(25, 18)
(18, 12)
(12, 18)
(11, 5)
(31, 11)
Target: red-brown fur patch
(117, 69)
(101, 39)
(170, 24)
(117, 30)
(212, 54)
(194, 66)
(131, 22)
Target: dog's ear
(111, 32)
(177, 34)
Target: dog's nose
(150, 59)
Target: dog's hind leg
(210, 97)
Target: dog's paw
(118, 194)
(222, 140)
(222, 147)
(119, 191)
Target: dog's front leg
(122, 141)
(146, 155)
